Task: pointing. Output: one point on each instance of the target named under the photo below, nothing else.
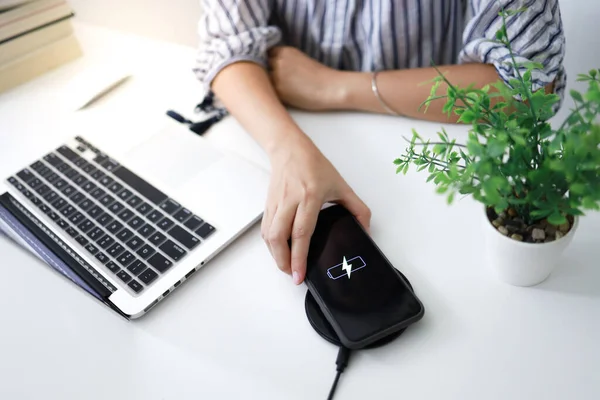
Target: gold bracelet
(376, 93)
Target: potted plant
(533, 180)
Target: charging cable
(341, 362)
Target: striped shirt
(376, 35)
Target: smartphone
(356, 287)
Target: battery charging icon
(337, 272)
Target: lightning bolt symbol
(347, 267)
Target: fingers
(357, 207)
(304, 226)
(278, 234)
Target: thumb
(357, 207)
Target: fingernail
(296, 277)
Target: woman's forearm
(404, 90)
(246, 91)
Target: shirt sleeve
(232, 31)
(536, 34)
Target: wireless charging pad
(323, 327)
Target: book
(8, 4)
(24, 44)
(31, 16)
(39, 61)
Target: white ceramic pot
(520, 263)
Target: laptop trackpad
(171, 157)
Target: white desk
(238, 331)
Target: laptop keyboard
(136, 231)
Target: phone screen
(350, 276)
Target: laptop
(130, 229)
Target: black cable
(341, 362)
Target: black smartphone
(356, 287)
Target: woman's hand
(302, 181)
(303, 82)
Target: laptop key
(52, 159)
(140, 185)
(68, 190)
(95, 234)
(97, 193)
(148, 276)
(63, 168)
(105, 242)
(89, 168)
(134, 201)
(159, 262)
(71, 232)
(165, 224)
(42, 190)
(71, 173)
(104, 219)
(95, 212)
(76, 218)
(91, 248)
(100, 158)
(144, 208)
(170, 206)
(62, 223)
(77, 196)
(146, 230)
(37, 166)
(136, 222)
(115, 187)
(113, 267)
(106, 181)
(25, 175)
(136, 286)
(193, 223)
(184, 237)
(110, 164)
(103, 258)
(125, 215)
(60, 203)
(145, 252)
(136, 267)
(115, 250)
(81, 240)
(125, 194)
(173, 250)
(114, 227)
(67, 153)
(34, 183)
(52, 215)
(98, 175)
(157, 238)
(116, 207)
(52, 177)
(107, 200)
(155, 216)
(68, 211)
(80, 180)
(81, 162)
(45, 209)
(59, 184)
(205, 230)
(125, 258)
(124, 235)
(124, 276)
(182, 215)
(51, 196)
(134, 243)
(86, 225)
(86, 204)
(89, 187)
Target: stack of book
(36, 36)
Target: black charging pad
(323, 327)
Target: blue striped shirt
(376, 35)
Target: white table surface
(238, 330)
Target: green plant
(513, 158)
